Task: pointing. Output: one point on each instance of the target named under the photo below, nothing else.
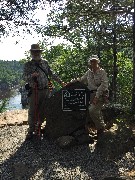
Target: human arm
(82, 79)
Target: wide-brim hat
(93, 57)
(35, 47)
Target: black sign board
(75, 99)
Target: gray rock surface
(62, 123)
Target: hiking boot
(29, 136)
(100, 133)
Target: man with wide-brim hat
(37, 73)
(35, 47)
(36, 52)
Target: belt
(42, 88)
(92, 91)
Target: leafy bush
(3, 104)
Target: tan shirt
(96, 81)
(30, 68)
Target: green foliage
(86, 22)
(124, 74)
(70, 62)
(95, 27)
(10, 73)
(14, 13)
(3, 104)
(67, 62)
(124, 79)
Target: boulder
(60, 122)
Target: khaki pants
(95, 112)
(36, 104)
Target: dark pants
(95, 112)
(36, 106)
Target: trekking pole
(37, 119)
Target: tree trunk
(133, 90)
(114, 80)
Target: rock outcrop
(60, 122)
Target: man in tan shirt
(97, 82)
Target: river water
(14, 101)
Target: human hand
(73, 80)
(95, 100)
(63, 84)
